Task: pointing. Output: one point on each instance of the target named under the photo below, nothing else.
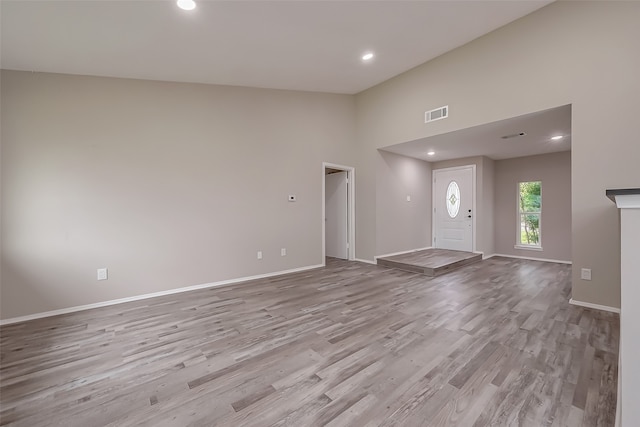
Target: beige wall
(488, 204)
(1, 203)
(167, 185)
(579, 53)
(554, 171)
(484, 198)
(402, 225)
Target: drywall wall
(402, 224)
(488, 204)
(167, 185)
(1, 201)
(484, 198)
(554, 171)
(579, 53)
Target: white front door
(336, 215)
(453, 191)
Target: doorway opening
(454, 208)
(338, 213)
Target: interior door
(336, 215)
(453, 205)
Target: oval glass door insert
(453, 199)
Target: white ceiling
(486, 140)
(301, 45)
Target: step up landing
(431, 262)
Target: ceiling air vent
(513, 135)
(437, 114)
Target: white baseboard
(154, 294)
(559, 261)
(402, 253)
(596, 306)
(366, 261)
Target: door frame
(351, 211)
(473, 202)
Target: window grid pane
(530, 229)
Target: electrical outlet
(585, 274)
(103, 274)
(259, 254)
(292, 197)
(408, 198)
(283, 252)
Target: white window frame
(519, 244)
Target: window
(529, 215)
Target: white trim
(527, 248)
(481, 253)
(618, 422)
(402, 252)
(351, 207)
(559, 261)
(153, 295)
(366, 261)
(473, 202)
(628, 201)
(596, 306)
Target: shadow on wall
(24, 288)
(403, 199)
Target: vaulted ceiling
(300, 45)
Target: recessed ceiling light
(367, 56)
(186, 4)
(431, 153)
(557, 137)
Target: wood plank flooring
(431, 262)
(493, 343)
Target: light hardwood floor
(494, 343)
(432, 262)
